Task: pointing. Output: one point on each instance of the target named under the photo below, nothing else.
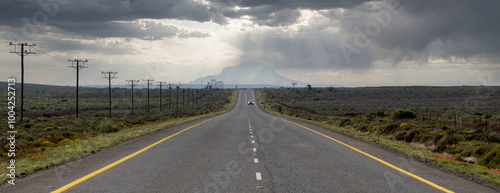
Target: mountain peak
(250, 72)
(252, 64)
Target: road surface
(245, 150)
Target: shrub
(400, 135)
(377, 114)
(363, 127)
(492, 159)
(344, 122)
(46, 144)
(67, 134)
(426, 137)
(404, 124)
(481, 150)
(389, 129)
(65, 141)
(494, 137)
(448, 140)
(350, 114)
(404, 114)
(323, 119)
(108, 126)
(413, 135)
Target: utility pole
(196, 97)
(160, 82)
(189, 96)
(77, 67)
(109, 75)
(183, 101)
(177, 100)
(169, 96)
(132, 83)
(148, 80)
(22, 53)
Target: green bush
(400, 135)
(447, 141)
(108, 126)
(426, 137)
(404, 114)
(377, 114)
(413, 135)
(492, 158)
(108, 129)
(344, 122)
(323, 119)
(389, 129)
(481, 150)
(363, 127)
(350, 114)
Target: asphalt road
(244, 150)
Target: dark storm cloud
(280, 12)
(144, 29)
(69, 46)
(292, 4)
(269, 16)
(413, 31)
(416, 30)
(99, 18)
(103, 10)
(448, 28)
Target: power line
(22, 53)
(77, 67)
(42, 52)
(109, 76)
(95, 69)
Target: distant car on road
(250, 102)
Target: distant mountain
(251, 73)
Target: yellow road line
(88, 176)
(379, 160)
(373, 157)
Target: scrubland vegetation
(457, 128)
(50, 133)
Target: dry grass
(77, 149)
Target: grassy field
(50, 134)
(457, 128)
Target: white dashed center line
(253, 141)
(258, 176)
(254, 149)
(255, 160)
(251, 136)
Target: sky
(341, 42)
